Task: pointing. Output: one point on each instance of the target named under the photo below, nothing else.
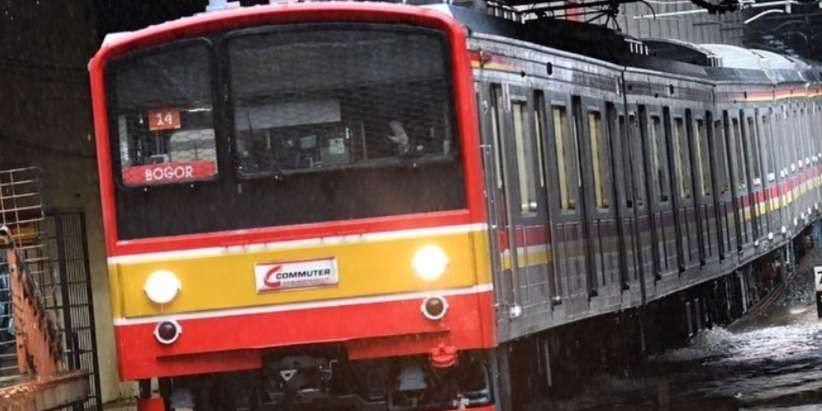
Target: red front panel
(368, 330)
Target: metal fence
(54, 251)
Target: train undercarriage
(322, 378)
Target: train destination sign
(275, 276)
(173, 172)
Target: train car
(381, 206)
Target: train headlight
(162, 286)
(429, 262)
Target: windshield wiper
(280, 174)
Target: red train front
(293, 209)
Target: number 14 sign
(164, 119)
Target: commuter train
(364, 205)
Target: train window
(683, 165)
(637, 163)
(801, 135)
(626, 161)
(703, 158)
(496, 92)
(165, 126)
(795, 134)
(525, 163)
(539, 121)
(765, 142)
(800, 138)
(756, 176)
(721, 158)
(659, 158)
(599, 158)
(564, 158)
(740, 157)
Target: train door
(621, 139)
(685, 215)
(802, 136)
(770, 172)
(600, 223)
(739, 186)
(491, 104)
(753, 177)
(781, 133)
(637, 157)
(814, 127)
(703, 188)
(759, 174)
(722, 189)
(807, 202)
(793, 172)
(527, 237)
(654, 155)
(668, 240)
(565, 207)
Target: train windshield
(317, 98)
(323, 122)
(164, 117)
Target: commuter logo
(273, 276)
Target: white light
(429, 262)
(162, 286)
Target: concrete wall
(45, 120)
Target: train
(374, 206)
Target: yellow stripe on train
(365, 269)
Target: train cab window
(683, 165)
(703, 158)
(565, 162)
(756, 169)
(740, 157)
(721, 158)
(659, 158)
(525, 163)
(164, 121)
(599, 159)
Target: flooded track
(772, 360)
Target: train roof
(717, 62)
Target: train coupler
(444, 356)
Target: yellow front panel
(365, 269)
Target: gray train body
(676, 172)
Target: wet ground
(768, 361)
